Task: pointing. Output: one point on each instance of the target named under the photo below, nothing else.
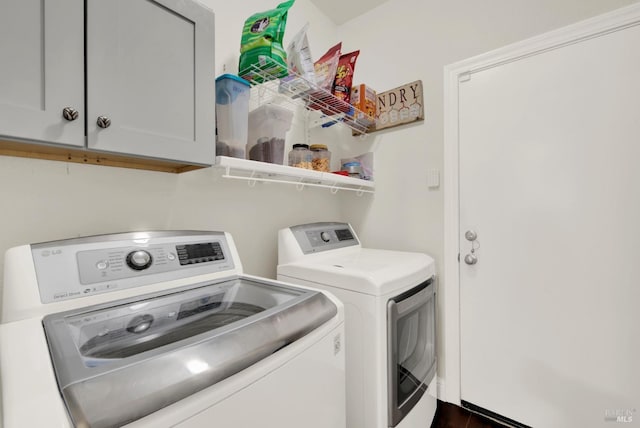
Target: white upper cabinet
(42, 72)
(137, 75)
(150, 76)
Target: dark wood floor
(452, 416)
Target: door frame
(629, 16)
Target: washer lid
(115, 364)
(363, 270)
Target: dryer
(389, 299)
(158, 329)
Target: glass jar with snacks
(300, 156)
(321, 157)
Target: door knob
(472, 236)
(104, 122)
(70, 113)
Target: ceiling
(341, 11)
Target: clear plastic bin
(269, 150)
(232, 115)
(268, 126)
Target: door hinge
(458, 257)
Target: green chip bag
(261, 50)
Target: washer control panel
(84, 266)
(316, 237)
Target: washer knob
(325, 236)
(140, 323)
(139, 259)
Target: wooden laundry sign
(404, 104)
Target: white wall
(405, 40)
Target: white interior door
(549, 155)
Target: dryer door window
(411, 348)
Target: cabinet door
(150, 71)
(42, 72)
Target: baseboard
(437, 388)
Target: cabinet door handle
(104, 122)
(70, 113)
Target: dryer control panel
(80, 267)
(317, 237)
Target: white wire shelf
(309, 95)
(254, 171)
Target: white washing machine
(159, 329)
(389, 299)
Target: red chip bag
(325, 67)
(344, 76)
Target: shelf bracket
(262, 90)
(252, 180)
(334, 189)
(307, 129)
(300, 185)
(360, 191)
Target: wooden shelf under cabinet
(57, 153)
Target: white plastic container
(268, 126)
(232, 115)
